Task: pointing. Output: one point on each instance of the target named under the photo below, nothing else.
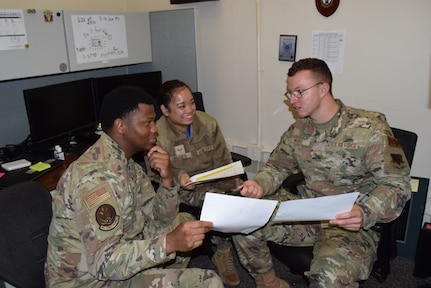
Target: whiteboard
(98, 39)
(43, 50)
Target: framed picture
(287, 49)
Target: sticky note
(415, 184)
(40, 166)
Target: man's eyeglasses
(298, 93)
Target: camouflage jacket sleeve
(281, 163)
(205, 150)
(386, 162)
(358, 153)
(122, 224)
(220, 156)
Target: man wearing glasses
(339, 149)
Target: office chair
(25, 215)
(298, 259)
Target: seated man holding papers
(340, 150)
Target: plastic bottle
(58, 153)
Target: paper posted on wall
(229, 170)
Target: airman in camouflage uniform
(205, 150)
(109, 227)
(340, 150)
(195, 143)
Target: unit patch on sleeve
(106, 217)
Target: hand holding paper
(233, 214)
(229, 170)
(315, 209)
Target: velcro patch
(97, 197)
(393, 142)
(106, 217)
(397, 159)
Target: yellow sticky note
(415, 184)
(40, 166)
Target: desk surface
(48, 178)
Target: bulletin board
(31, 43)
(97, 40)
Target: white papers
(329, 46)
(229, 170)
(232, 214)
(13, 34)
(315, 209)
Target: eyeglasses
(298, 93)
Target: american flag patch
(97, 197)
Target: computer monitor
(150, 81)
(61, 113)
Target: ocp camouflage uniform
(358, 152)
(109, 227)
(204, 150)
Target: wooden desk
(50, 179)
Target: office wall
(174, 47)
(386, 65)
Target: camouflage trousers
(170, 278)
(340, 258)
(172, 274)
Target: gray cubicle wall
(43, 53)
(173, 40)
(173, 43)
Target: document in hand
(233, 214)
(315, 209)
(229, 170)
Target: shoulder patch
(397, 160)
(106, 217)
(393, 142)
(96, 197)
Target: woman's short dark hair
(167, 90)
(120, 102)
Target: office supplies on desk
(12, 177)
(40, 166)
(17, 164)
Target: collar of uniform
(113, 146)
(178, 134)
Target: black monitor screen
(60, 110)
(150, 81)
